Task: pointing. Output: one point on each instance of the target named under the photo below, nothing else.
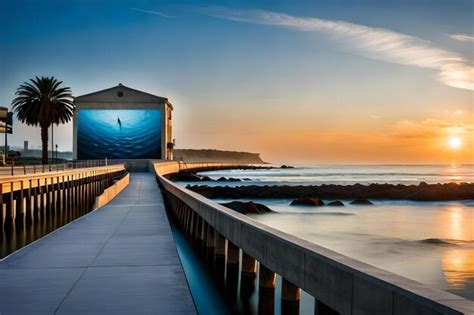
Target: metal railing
(10, 170)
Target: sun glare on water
(454, 143)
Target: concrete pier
(119, 259)
(338, 284)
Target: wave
(445, 242)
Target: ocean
(430, 242)
(349, 174)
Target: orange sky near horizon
(375, 140)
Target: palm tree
(43, 102)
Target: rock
(431, 192)
(361, 202)
(186, 177)
(307, 201)
(247, 207)
(336, 203)
(423, 184)
(286, 166)
(230, 179)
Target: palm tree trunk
(44, 142)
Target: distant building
(25, 145)
(122, 123)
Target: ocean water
(349, 174)
(430, 242)
(119, 134)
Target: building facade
(122, 123)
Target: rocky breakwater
(190, 176)
(421, 192)
(247, 207)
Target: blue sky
(234, 73)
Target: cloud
(429, 128)
(152, 12)
(462, 37)
(375, 116)
(376, 43)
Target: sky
(301, 82)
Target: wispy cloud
(375, 116)
(153, 12)
(376, 43)
(462, 37)
(430, 128)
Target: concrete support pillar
(266, 296)
(11, 213)
(219, 258)
(29, 203)
(21, 206)
(203, 238)
(181, 214)
(34, 200)
(290, 298)
(189, 216)
(192, 225)
(48, 197)
(197, 231)
(210, 249)
(53, 197)
(69, 195)
(80, 201)
(196, 237)
(248, 276)
(185, 220)
(232, 271)
(3, 209)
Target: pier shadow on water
(217, 289)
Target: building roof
(120, 94)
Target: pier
(121, 258)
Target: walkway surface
(120, 259)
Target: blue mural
(118, 134)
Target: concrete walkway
(120, 259)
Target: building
(122, 123)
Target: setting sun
(455, 143)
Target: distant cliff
(206, 155)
